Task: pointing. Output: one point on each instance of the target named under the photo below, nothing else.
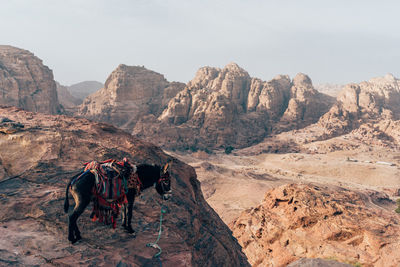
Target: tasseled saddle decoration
(109, 191)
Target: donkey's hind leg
(80, 204)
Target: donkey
(82, 192)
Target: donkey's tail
(66, 202)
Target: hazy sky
(331, 41)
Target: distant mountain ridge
(226, 107)
(331, 89)
(65, 98)
(218, 108)
(82, 89)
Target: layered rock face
(227, 107)
(40, 153)
(128, 94)
(25, 82)
(306, 221)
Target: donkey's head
(163, 185)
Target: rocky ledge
(38, 155)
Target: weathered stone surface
(375, 99)
(25, 82)
(226, 107)
(306, 104)
(36, 165)
(308, 221)
(128, 94)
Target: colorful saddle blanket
(109, 183)
(109, 191)
(110, 188)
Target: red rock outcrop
(129, 93)
(226, 107)
(308, 221)
(25, 82)
(38, 155)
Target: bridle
(164, 177)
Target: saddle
(109, 190)
(109, 183)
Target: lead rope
(155, 245)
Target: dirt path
(233, 183)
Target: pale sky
(336, 41)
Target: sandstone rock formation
(25, 82)
(367, 102)
(38, 155)
(226, 107)
(308, 221)
(367, 112)
(83, 89)
(129, 93)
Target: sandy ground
(235, 182)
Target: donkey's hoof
(78, 237)
(76, 240)
(71, 238)
(130, 230)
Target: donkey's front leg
(124, 217)
(131, 198)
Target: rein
(163, 211)
(155, 245)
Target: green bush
(228, 149)
(207, 151)
(398, 205)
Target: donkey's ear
(166, 167)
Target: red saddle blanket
(109, 190)
(110, 185)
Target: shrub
(228, 149)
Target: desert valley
(264, 173)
